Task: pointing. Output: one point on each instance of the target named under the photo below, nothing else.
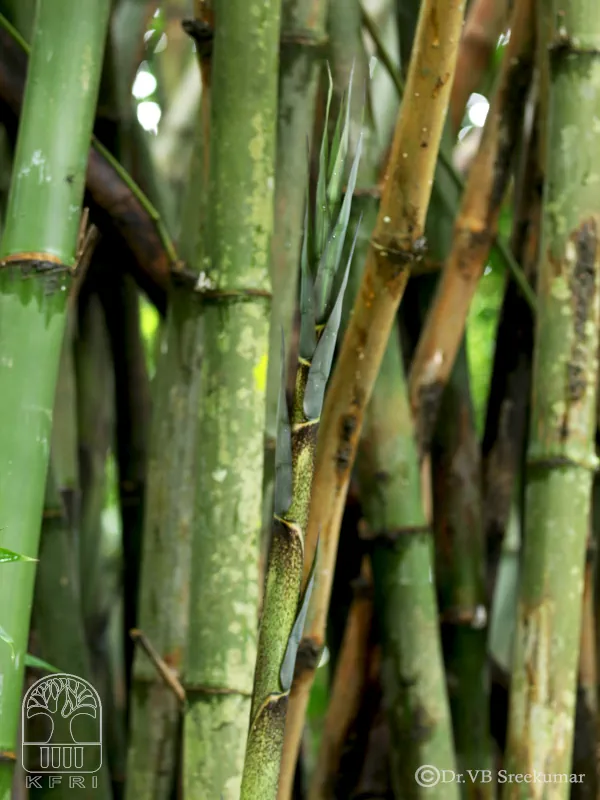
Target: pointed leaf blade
(10, 556)
(330, 261)
(322, 214)
(286, 673)
(308, 336)
(339, 146)
(38, 663)
(320, 368)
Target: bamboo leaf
(283, 448)
(286, 673)
(330, 260)
(9, 555)
(308, 336)
(322, 213)
(339, 147)
(39, 663)
(320, 368)
(5, 637)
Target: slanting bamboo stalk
(322, 294)
(485, 22)
(561, 456)
(347, 690)
(234, 289)
(165, 570)
(475, 227)
(37, 255)
(395, 243)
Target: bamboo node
(393, 251)
(389, 537)
(475, 617)
(589, 463)
(302, 37)
(202, 33)
(308, 657)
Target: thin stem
(170, 679)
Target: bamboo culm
(37, 256)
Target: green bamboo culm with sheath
(323, 282)
(38, 255)
(233, 289)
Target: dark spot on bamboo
(343, 454)
(69, 179)
(584, 278)
(308, 657)
(583, 291)
(518, 80)
(429, 399)
(202, 33)
(286, 555)
(422, 725)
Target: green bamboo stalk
(95, 430)
(234, 287)
(412, 669)
(322, 293)
(561, 455)
(37, 253)
(165, 569)
(57, 613)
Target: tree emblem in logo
(62, 726)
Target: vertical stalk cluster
(37, 257)
(396, 243)
(322, 290)
(233, 287)
(165, 571)
(561, 456)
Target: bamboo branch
(165, 672)
(475, 228)
(395, 245)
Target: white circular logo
(427, 776)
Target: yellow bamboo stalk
(475, 228)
